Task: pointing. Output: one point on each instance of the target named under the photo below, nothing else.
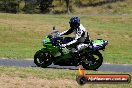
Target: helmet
(74, 22)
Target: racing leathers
(80, 37)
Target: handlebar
(55, 34)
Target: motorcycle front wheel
(42, 59)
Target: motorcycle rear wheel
(96, 60)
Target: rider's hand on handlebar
(63, 45)
(58, 35)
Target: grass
(16, 77)
(120, 7)
(21, 34)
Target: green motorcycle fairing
(48, 46)
(98, 42)
(54, 50)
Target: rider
(80, 33)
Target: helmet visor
(74, 24)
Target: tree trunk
(78, 3)
(67, 6)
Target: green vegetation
(67, 6)
(16, 77)
(21, 34)
(11, 6)
(27, 6)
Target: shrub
(45, 5)
(11, 6)
(31, 6)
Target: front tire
(42, 59)
(94, 61)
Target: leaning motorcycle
(52, 52)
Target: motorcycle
(52, 52)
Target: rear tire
(42, 59)
(93, 63)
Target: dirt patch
(7, 81)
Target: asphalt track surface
(30, 63)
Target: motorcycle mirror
(53, 27)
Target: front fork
(78, 58)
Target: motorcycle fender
(44, 50)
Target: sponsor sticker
(84, 78)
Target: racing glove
(63, 45)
